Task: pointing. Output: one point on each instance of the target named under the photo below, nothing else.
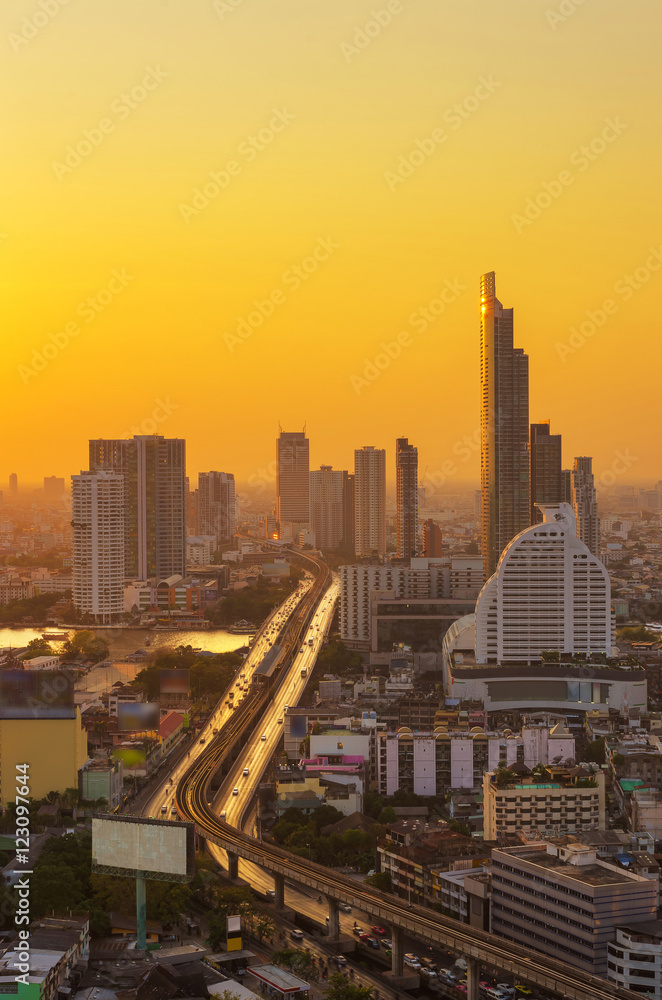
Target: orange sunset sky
(369, 156)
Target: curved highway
(192, 798)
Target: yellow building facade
(55, 749)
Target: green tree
(85, 645)
(301, 963)
(372, 804)
(340, 988)
(637, 634)
(595, 751)
(38, 647)
(387, 815)
(380, 880)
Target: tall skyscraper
(370, 502)
(326, 507)
(53, 488)
(97, 503)
(154, 503)
(348, 512)
(566, 486)
(406, 474)
(432, 539)
(13, 484)
(292, 478)
(504, 455)
(585, 504)
(216, 505)
(544, 468)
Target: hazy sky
(358, 165)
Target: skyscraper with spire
(504, 455)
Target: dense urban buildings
(370, 502)
(406, 473)
(327, 507)
(216, 505)
(97, 507)
(585, 504)
(504, 458)
(292, 478)
(545, 471)
(154, 502)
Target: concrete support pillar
(279, 889)
(334, 919)
(141, 914)
(472, 979)
(397, 954)
(233, 865)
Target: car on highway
(379, 931)
(363, 936)
(357, 930)
(271, 893)
(280, 722)
(235, 791)
(345, 907)
(411, 957)
(387, 943)
(263, 737)
(296, 934)
(340, 960)
(507, 989)
(214, 732)
(245, 772)
(202, 740)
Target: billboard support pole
(141, 914)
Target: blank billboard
(127, 845)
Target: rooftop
(595, 874)
(278, 978)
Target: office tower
(292, 478)
(431, 539)
(155, 518)
(504, 455)
(585, 504)
(348, 512)
(477, 504)
(370, 502)
(191, 507)
(53, 488)
(406, 475)
(216, 505)
(97, 502)
(13, 484)
(326, 507)
(550, 592)
(545, 471)
(566, 486)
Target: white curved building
(549, 592)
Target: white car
(235, 791)
(263, 737)
(245, 772)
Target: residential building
(545, 471)
(432, 539)
(415, 851)
(565, 800)
(347, 541)
(292, 478)
(16, 589)
(41, 663)
(450, 890)
(216, 505)
(13, 484)
(585, 504)
(565, 902)
(53, 488)
(391, 590)
(406, 473)
(634, 958)
(326, 507)
(370, 502)
(154, 501)
(57, 946)
(504, 384)
(98, 539)
(199, 549)
(431, 763)
(102, 778)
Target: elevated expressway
(194, 800)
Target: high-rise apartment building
(216, 505)
(53, 488)
(97, 503)
(326, 507)
(154, 501)
(348, 512)
(545, 471)
(406, 474)
(432, 539)
(566, 486)
(585, 504)
(292, 478)
(13, 484)
(370, 501)
(504, 457)
(548, 593)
